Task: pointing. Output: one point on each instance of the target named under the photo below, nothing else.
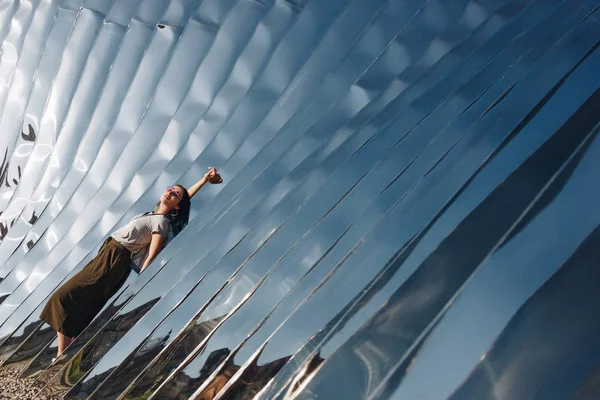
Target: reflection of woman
(73, 306)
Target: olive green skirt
(75, 304)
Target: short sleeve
(161, 226)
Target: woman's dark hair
(180, 218)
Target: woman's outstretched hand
(212, 176)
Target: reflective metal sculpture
(410, 207)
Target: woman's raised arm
(211, 176)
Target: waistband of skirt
(116, 243)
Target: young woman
(73, 306)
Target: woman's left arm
(212, 176)
(156, 245)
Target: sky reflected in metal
(409, 207)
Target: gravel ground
(12, 388)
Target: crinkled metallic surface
(410, 206)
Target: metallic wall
(410, 207)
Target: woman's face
(172, 196)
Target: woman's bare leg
(63, 343)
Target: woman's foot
(57, 359)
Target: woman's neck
(162, 209)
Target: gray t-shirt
(137, 234)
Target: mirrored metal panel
(410, 196)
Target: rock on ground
(12, 388)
